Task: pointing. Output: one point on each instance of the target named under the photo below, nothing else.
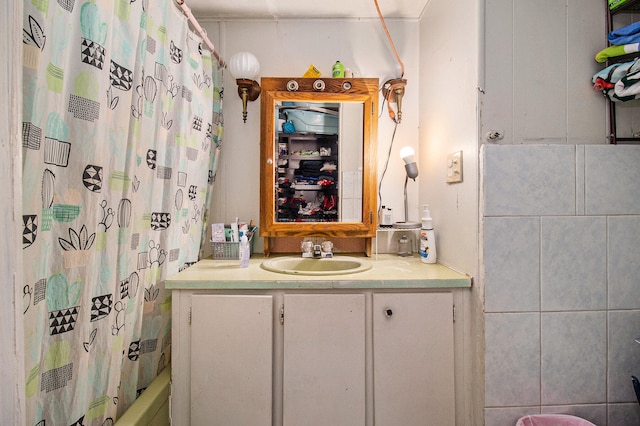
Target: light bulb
(407, 154)
(410, 165)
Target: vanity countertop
(389, 271)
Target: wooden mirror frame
(275, 89)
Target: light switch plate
(454, 167)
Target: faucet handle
(307, 248)
(327, 249)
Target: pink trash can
(553, 420)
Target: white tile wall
(507, 416)
(513, 346)
(562, 293)
(623, 414)
(612, 179)
(573, 263)
(529, 180)
(596, 413)
(574, 357)
(560, 223)
(624, 354)
(512, 264)
(623, 251)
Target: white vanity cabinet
(291, 357)
(324, 359)
(413, 359)
(231, 360)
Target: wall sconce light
(393, 91)
(411, 168)
(244, 67)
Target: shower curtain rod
(201, 31)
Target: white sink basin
(338, 265)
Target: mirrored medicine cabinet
(318, 158)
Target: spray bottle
(427, 237)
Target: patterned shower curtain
(122, 129)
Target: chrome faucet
(317, 250)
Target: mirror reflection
(318, 161)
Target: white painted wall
(11, 349)
(449, 38)
(538, 76)
(287, 48)
(449, 79)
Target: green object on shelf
(614, 4)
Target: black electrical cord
(386, 164)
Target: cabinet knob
(388, 312)
(269, 161)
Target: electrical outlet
(454, 167)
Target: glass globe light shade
(244, 65)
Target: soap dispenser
(427, 237)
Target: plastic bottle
(404, 246)
(427, 237)
(245, 254)
(385, 219)
(388, 217)
(338, 70)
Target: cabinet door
(413, 359)
(324, 360)
(231, 354)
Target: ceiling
(307, 9)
